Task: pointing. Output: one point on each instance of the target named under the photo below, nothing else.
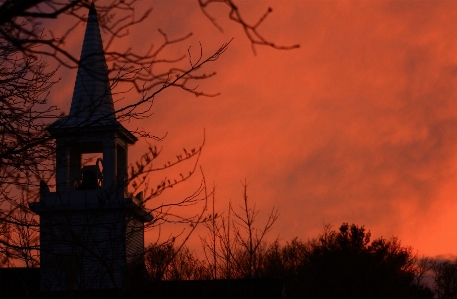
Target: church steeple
(91, 227)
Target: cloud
(358, 125)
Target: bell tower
(91, 228)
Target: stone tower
(91, 228)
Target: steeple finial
(92, 10)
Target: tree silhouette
(445, 279)
(345, 264)
(235, 246)
(166, 262)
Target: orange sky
(359, 125)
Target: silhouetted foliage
(344, 264)
(336, 264)
(284, 262)
(445, 279)
(166, 262)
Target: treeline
(343, 263)
(338, 263)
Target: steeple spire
(92, 105)
(92, 94)
(92, 102)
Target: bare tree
(25, 148)
(251, 29)
(241, 244)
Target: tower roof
(92, 94)
(92, 102)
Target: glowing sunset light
(358, 125)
